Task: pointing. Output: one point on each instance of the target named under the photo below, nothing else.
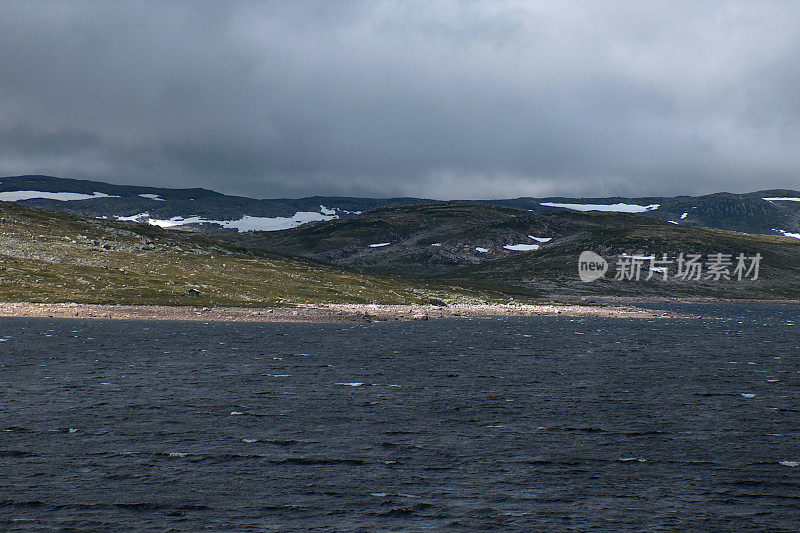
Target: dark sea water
(518, 424)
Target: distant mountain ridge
(210, 211)
(165, 205)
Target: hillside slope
(553, 271)
(424, 240)
(53, 257)
(521, 252)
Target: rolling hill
(525, 253)
(420, 241)
(55, 257)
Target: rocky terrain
(347, 313)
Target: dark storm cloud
(452, 99)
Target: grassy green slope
(52, 257)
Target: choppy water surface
(509, 424)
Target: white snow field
(612, 208)
(153, 197)
(521, 247)
(787, 234)
(242, 225)
(16, 196)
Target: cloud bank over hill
(433, 99)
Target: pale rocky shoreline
(349, 313)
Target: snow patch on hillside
(481, 250)
(17, 196)
(521, 247)
(248, 223)
(540, 239)
(153, 197)
(133, 218)
(379, 244)
(242, 225)
(611, 208)
(787, 234)
(782, 199)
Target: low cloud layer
(435, 99)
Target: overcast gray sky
(435, 99)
